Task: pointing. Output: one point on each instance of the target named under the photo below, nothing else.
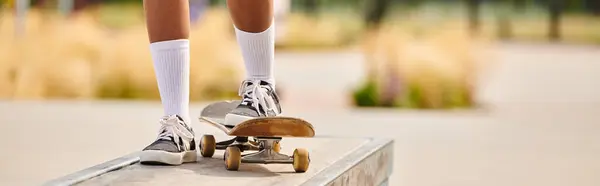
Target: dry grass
(577, 29)
(78, 58)
(433, 62)
(324, 31)
(434, 68)
(96, 55)
(83, 58)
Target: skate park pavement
(539, 128)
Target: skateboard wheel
(301, 160)
(233, 158)
(276, 146)
(207, 145)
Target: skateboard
(266, 134)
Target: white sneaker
(174, 145)
(259, 99)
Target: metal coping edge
(354, 158)
(96, 170)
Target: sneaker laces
(172, 128)
(256, 94)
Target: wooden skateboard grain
(274, 127)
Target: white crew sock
(172, 69)
(258, 51)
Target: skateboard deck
(280, 126)
(267, 133)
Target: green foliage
(367, 95)
(125, 88)
(120, 16)
(413, 96)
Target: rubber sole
(157, 157)
(231, 120)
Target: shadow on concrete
(216, 167)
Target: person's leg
(254, 27)
(168, 27)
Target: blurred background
(413, 53)
(501, 83)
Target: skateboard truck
(240, 142)
(267, 154)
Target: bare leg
(251, 15)
(168, 27)
(255, 32)
(167, 19)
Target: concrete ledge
(370, 164)
(98, 170)
(335, 161)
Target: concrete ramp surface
(334, 161)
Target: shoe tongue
(246, 97)
(165, 134)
